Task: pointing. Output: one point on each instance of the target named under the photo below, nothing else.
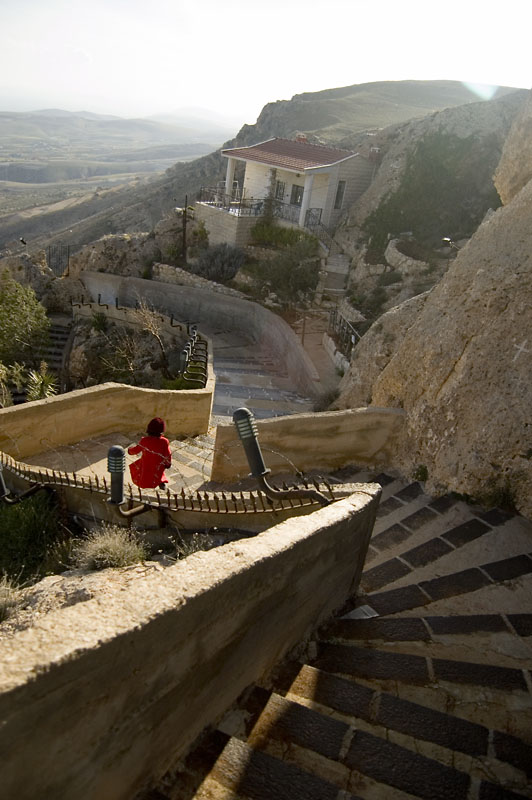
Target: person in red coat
(148, 471)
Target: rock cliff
(461, 366)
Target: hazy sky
(141, 57)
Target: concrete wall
(108, 408)
(212, 311)
(224, 227)
(330, 440)
(101, 697)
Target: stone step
(412, 596)
(354, 759)
(426, 629)
(423, 723)
(377, 664)
(428, 552)
(242, 773)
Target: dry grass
(9, 596)
(108, 546)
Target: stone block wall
(99, 698)
(224, 227)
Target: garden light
(247, 431)
(116, 466)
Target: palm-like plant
(41, 383)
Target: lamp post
(247, 431)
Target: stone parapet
(108, 408)
(327, 441)
(100, 697)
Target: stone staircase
(54, 352)
(420, 688)
(334, 275)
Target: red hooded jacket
(148, 471)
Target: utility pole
(184, 252)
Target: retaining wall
(70, 418)
(327, 441)
(224, 227)
(212, 311)
(101, 697)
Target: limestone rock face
(462, 371)
(121, 254)
(515, 167)
(374, 352)
(462, 367)
(29, 269)
(484, 119)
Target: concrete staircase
(54, 352)
(420, 688)
(334, 275)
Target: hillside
(331, 115)
(457, 358)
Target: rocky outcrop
(374, 352)
(484, 119)
(515, 167)
(462, 369)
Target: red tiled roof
(290, 154)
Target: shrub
(9, 596)
(28, 530)
(269, 234)
(388, 278)
(23, 322)
(219, 263)
(108, 546)
(99, 322)
(41, 383)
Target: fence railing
(253, 206)
(237, 206)
(343, 333)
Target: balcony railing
(239, 207)
(257, 206)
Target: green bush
(24, 325)
(108, 546)
(219, 263)
(268, 234)
(388, 278)
(445, 190)
(28, 530)
(99, 322)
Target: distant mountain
(60, 112)
(94, 133)
(214, 126)
(334, 114)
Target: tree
(23, 323)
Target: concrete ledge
(107, 408)
(101, 697)
(330, 440)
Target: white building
(308, 185)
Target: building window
(340, 190)
(279, 190)
(296, 197)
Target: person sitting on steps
(148, 471)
